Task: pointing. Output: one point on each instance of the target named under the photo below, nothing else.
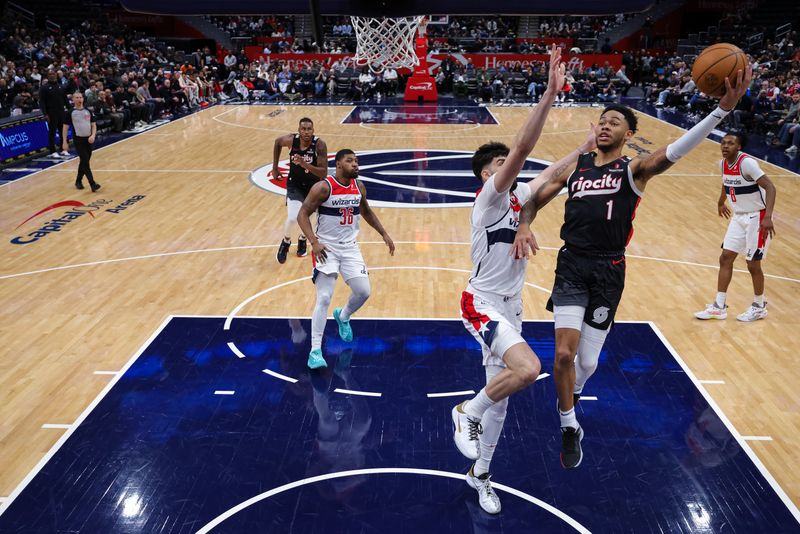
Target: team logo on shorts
(600, 315)
(407, 178)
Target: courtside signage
(76, 210)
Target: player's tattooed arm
(372, 218)
(318, 194)
(552, 180)
(645, 167)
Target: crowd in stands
(256, 26)
(579, 27)
(126, 80)
(129, 80)
(769, 107)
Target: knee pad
(592, 340)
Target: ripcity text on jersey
(601, 206)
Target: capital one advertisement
(22, 138)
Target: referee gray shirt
(81, 121)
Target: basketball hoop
(386, 42)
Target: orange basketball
(714, 64)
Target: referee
(84, 129)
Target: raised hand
(557, 71)
(590, 143)
(733, 94)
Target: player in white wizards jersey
(491, 306)
(752, 196)
(340, 201)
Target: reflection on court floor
(192, 430)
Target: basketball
(716, 63)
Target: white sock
(476, 406)
(759, 299)
(325, 284)
(568, 418)
(492, 425)
(720, 301)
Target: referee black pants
(84, 149)
(55, 122)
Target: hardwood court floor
(86, 297)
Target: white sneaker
(753, 313)
(713, 311)
(791, 150)
(466, 432)
(487, 498)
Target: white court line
(224, 392)
(386, 470)
(106, 372)
(711, 381)
(56, 425)
(757, 438)
(108, 145)
(370, 126)
(54, 449)
(369, 179)
(543, 375)
(170, 171)
(456, 174)
(229, 318)
(246, 247)
(450, 394)
(355, 392)
(240, 354)
(278, 375)
(371, 318)
(735, 433)
(235, 350)
(588, 398)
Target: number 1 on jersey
(610, 205)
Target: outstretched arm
(544, 188)
(372, 218)
(644, 168)
(316, 196)
(529, 134)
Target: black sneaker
(95, 186)
(283, 250)
(78, 185)
(302, 248)
(571, 453)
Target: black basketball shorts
(594, 282)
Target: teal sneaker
(345, 332)
(315, 359)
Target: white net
(386, 42)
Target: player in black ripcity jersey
(603, 192)
(308, 165)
